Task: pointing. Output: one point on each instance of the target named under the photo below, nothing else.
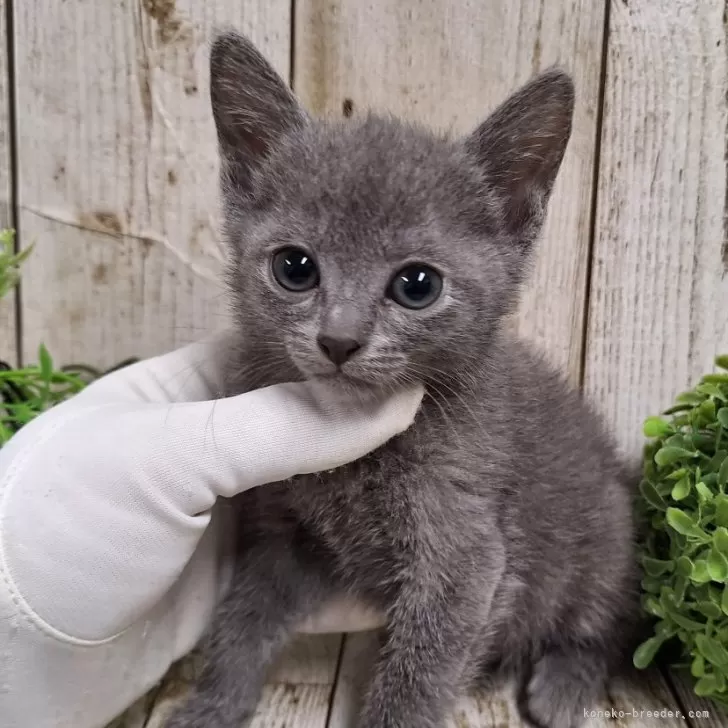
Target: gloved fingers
(275, 433)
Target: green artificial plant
(684, 504)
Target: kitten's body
(496, 533)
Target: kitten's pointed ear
(521, 146)
(251, 104)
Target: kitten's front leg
(271, 591)
(434, 636)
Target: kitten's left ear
(251, 104)
(521, 146)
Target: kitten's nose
(338, 349)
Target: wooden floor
(318, 682)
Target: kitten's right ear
(521, 145)
(251, 104)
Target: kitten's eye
(416, 286)
(295, 270)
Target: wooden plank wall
(7, 305)
(117, 181)
(659, 296)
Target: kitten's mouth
(352, 376)
(353, 384)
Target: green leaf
(700, 573)
(704, 493)
(681, 586)
(703, 441)
(657, 567)
(724, 601)
(665, 629)
(706, 411)
(717, 566)
(679, 440)
(677, 474)
(650, 494)
(711, 650)
(681, 489)
(697, 668)
(720, 540)
(652, 606)
(651, 585)
(710, 610)
(46, 363)
(722, 361)
(711, 480)
(690, 397)
(684, 524)
(668, 455)
(678, 408)
(646, 652)
(722, 417)
(656, 427)
(683, 566)
(706, 686)
(689, 624)
(723, 473)
(712, 390)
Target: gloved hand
(113, 551)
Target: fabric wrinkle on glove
(109, 529)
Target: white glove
(112, 556)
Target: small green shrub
(684, 500)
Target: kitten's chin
(351, 385)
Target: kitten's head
(368, 249)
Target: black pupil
(416, 284)
(298, 267)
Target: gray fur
(497, 532)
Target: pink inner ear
(522, 143)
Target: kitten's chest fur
(406, 502)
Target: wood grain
(659, 292)
(634, 701)
(642, 700)
(296, 695)
(448, 65)
(117, 158)
(699, 712)
(357, 661)
(8, 347)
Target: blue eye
(416, 286)
(295, 270)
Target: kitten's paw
(560, 689)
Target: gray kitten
(497, 532)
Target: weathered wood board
(658, 310)
(448, 65)
(297, 695)
(304, 692)
(8, 348)
(117, 170)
